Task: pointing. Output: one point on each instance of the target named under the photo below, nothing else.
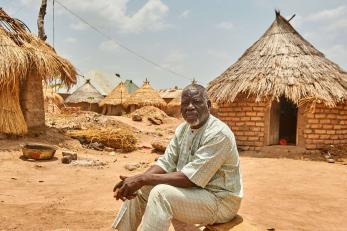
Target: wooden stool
(236, 224)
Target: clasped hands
(126, 188)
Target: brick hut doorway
(282, 122)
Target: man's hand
(127, 187)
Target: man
(196, 181)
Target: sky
(171, 42)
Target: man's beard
(195, 122)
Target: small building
(169, 94)
(145, 96)
(102, 81)
(113, 104)
(283, 90)
(86, 97)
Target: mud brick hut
(283, 89)
(113, 104)
(86, 97)
(25, 62)
(144, 96)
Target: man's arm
(153, 176)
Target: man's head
(195, 105)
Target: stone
(131, 166)
(66, 160)
(71, 154)
(160, 145)
(155, 120)
(136, 117)
(108, 149)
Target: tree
(41, 20)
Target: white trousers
(156, 206)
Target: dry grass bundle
(120, 138)
(117, 97)
(52, 97)
(145, 96)
(281, 63)
(11, 117)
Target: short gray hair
(198, 87)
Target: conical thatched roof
(280, 63)
(145, 96)
(22, 51)
(118, 96)
(87, 93)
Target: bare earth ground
(284, 194)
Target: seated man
(196, 181)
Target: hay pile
(152, 114)
(120, 138)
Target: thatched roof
(51, 96)
(171, 93)
(176, 102)
(118, 96)
(22, 51)
(280, 63)
(87, 93)
(145, 96)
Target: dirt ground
(280, 193)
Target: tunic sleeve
(208, 159)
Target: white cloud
(115, 13)
(79, 26)
(340, 24)
(70, 40)
(185, 14)
(225, 25)
(108, 46)
(175, 60)
(327, 14)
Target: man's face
(194, 107)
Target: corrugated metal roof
(102, 81)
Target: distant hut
(52, 100)
(113, 104)
(25, 62)
(283, 90)
(86, 98)
(145, 96)
(169, 94)
(174, 107)
(130, 86)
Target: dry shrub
(120, 138)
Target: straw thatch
(23, 54)
(87, 93)
(119, 138)
(280, 63)
(50, 96)
(145, 96)
(117, 97)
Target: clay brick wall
(325, 126)
(246, 119)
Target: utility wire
(121, 45)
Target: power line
(121, 45)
